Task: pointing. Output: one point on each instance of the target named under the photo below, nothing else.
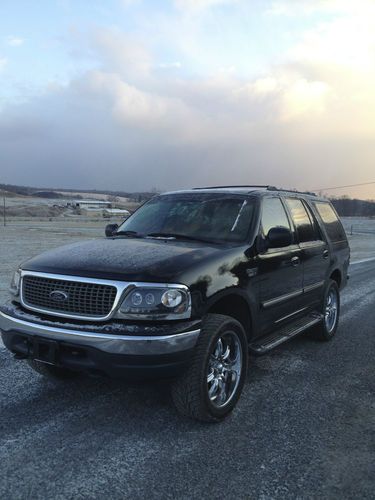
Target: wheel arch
(235, 305)
(336, 276)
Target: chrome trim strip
(281, 298)
(121, 286)
(114, 344)
(309, 288)
(290, 315)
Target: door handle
(325, 254)
(295, 261)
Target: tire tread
(320, 332)
(186, 390)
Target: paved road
(305, 427)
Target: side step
(277, 337)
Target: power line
(342, 187)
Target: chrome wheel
(331, 310)
(224, 369)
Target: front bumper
(92, 349)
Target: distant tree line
(54, 193)
(22, 190)
(349, 207)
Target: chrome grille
(76, 298)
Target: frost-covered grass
(20, 242)
(361, 236)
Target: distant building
(115, 212)
(89, 204)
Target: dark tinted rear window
(331, 222)
(306, 230)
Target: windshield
(205, 216)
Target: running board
(265, 344)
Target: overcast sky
(141, 94)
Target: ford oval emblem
(59, 296)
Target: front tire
(52, 372)
(210, 388)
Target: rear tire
(52, 372)
(210, 388)
(331, 311)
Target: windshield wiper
(128, 233)
(177, 237)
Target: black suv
(184, 288)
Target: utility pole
(4, 216)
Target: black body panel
(124, 258)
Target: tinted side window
(273, 215)
(314, 222)
(306, 231)
(332, 224)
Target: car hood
(129, 259)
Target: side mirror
(110, 229)
(279, 237)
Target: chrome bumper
(113, 344)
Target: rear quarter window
(331, 222)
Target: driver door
(280, 271)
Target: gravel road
(304, 428)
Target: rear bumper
(140, 356)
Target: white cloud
(122, 53)
(346, 41)
(129, 3)
(286, 97)
(304, 97)
(170, 65)
(264, 86)
(294, 8)
(198, 5)
(136, 107)
(334, 68)
(14, 41)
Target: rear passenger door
(314, 249)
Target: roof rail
(239, 186)
(257, 186)
(271, 188)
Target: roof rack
(271, 188)
(257, 186)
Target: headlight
(15, 283)
(156, 302)
(172, 298)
